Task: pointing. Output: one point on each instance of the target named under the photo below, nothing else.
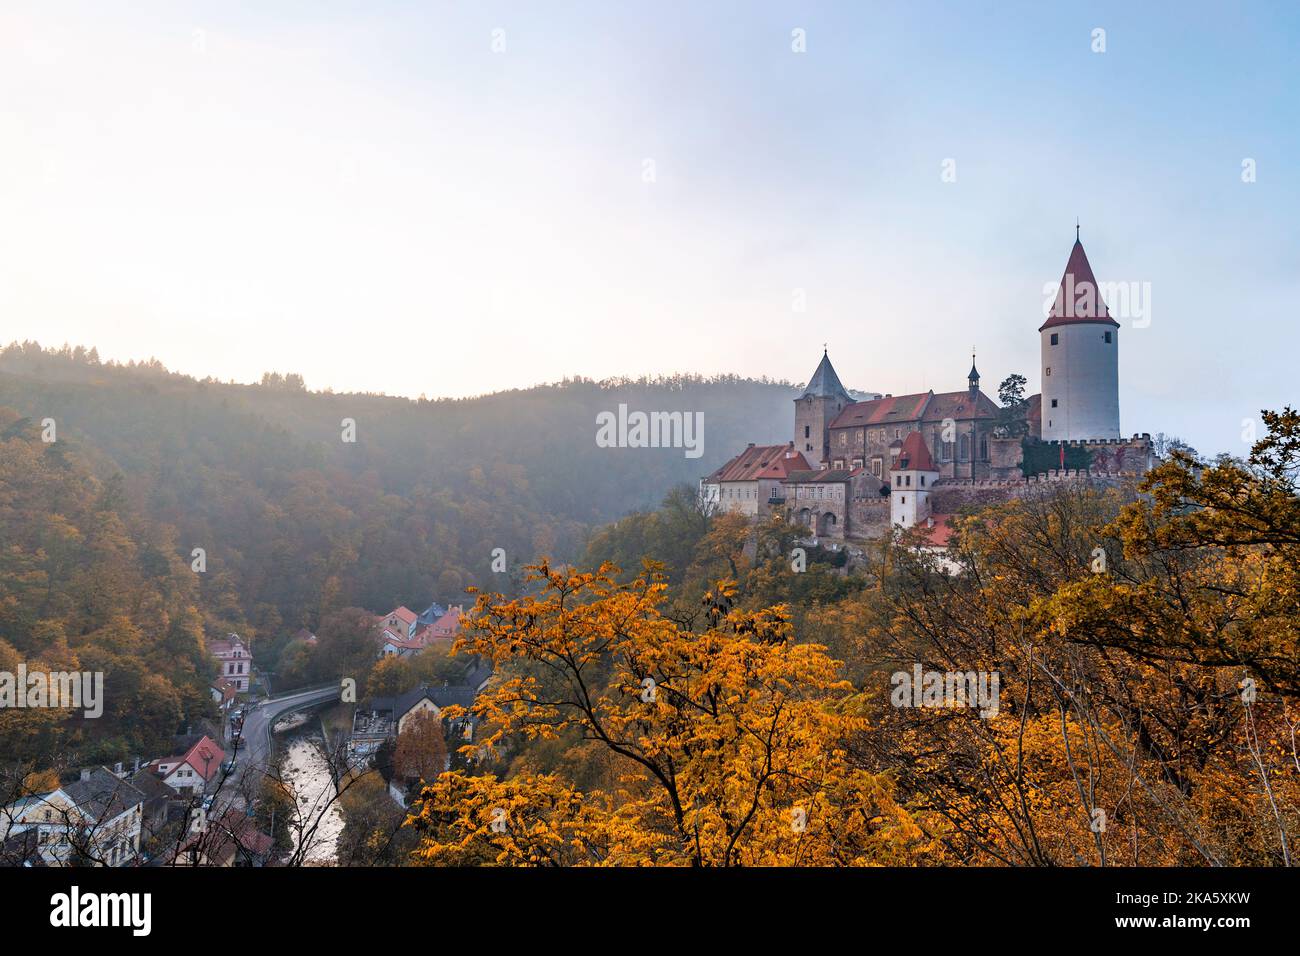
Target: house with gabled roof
(193, 768)
(223, 692)
(94, 820)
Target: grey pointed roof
(974, 375)
(824, 382)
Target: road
(253, 755)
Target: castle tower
(1080, 364)
(823, 399)
(914, 476)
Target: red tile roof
(914, 456)
(958, 406)
(403, 614)
(923, 406)
(883, 411)
(936, 531)
(232, 838)
(1079, 298)
(226, 688)
(205, 757)
(761, 461)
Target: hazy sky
(373, 196)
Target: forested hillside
(297, 522)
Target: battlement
(1138, 439)
(1054, 474)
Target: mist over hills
(296, 521)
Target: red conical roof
(1079, 298)
(914, 456)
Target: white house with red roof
(914, 477)
(192, 769)
(235, 661)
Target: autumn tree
(421, 752)
(726, 729)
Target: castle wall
(1005, 456)
(868, 517)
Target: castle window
(807, 431)
(908, 481)
(1053, 403)
(903, 500)
(923, 481)
(1056, 339)
(963, 447)
(1048, 370)
(844, 439)
(1108, 338)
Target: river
(304, 768)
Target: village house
(230, 840)
(384, 718)
(95, 820)
(158, 802)
(403, 633)
(235, 661)
(197, 764)
(223, 692)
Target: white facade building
(914, 477)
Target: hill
(296, 522)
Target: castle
(856, 469)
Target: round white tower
(1080, 366)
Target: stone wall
(868, 516)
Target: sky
(458, 198)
